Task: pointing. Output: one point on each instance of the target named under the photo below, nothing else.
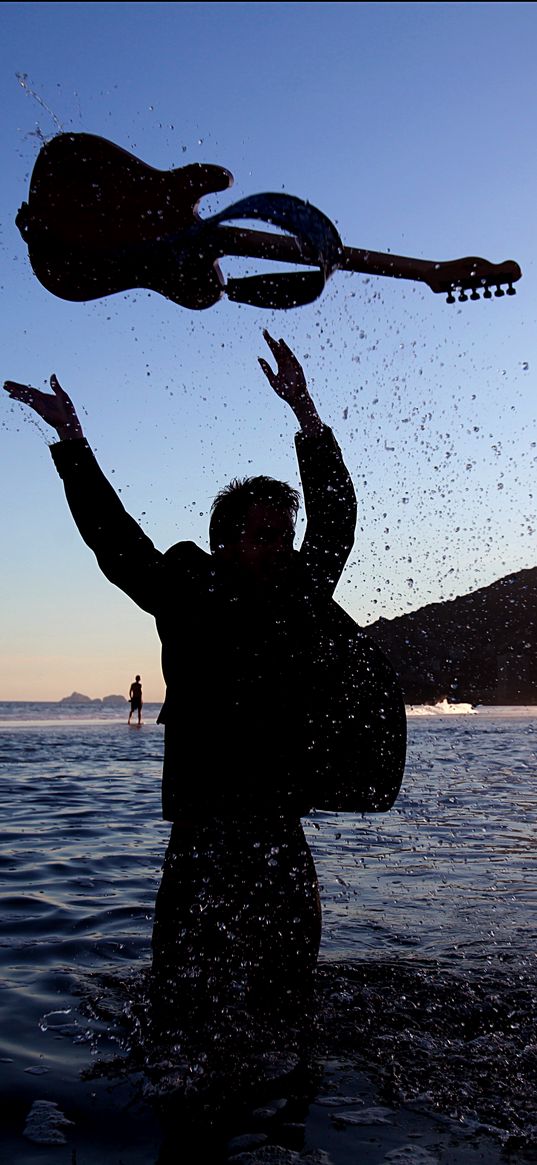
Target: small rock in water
(338, 1101)
(276, 1155)
(268, 1155)
(316, 1157)
(367, 1116)
(45, 1122)
(410, 1155)
(246, 1141)
(269, 1111)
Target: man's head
(253, 522)
(137, 679)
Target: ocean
(428, 968)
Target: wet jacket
(275, 702)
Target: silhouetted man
(275, 702)
(135, 697)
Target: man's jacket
(275, 702)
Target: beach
(423, 1046)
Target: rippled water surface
(429, 944)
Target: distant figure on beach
(135, 697)
(266, 676)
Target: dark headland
(480, 648)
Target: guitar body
(99, 221)
(357, 748)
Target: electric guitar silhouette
(99, 221)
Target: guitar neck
(285, 249)
(381, 263)
(469, 273)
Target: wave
(441, 708)
(444, 708)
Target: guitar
(99, 221)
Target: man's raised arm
(329, 495)
(125, 554)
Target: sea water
(429, 954)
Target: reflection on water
(428, 953)
(451, 872)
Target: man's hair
(232, 503)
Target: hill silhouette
(480, 648)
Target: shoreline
(70, 718)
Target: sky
(413, 127)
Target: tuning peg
(463, 296)
(475, 294)
(511, 290)
(450, 296)
(499, 292)
(487, 294)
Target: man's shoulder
(188, 556)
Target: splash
(23, 81)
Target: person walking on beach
(135, 697)
(270, 687)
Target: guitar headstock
(468, 277)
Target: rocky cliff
(480, 648)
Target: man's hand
(56, 408)
(289, 383)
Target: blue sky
(413, 126)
